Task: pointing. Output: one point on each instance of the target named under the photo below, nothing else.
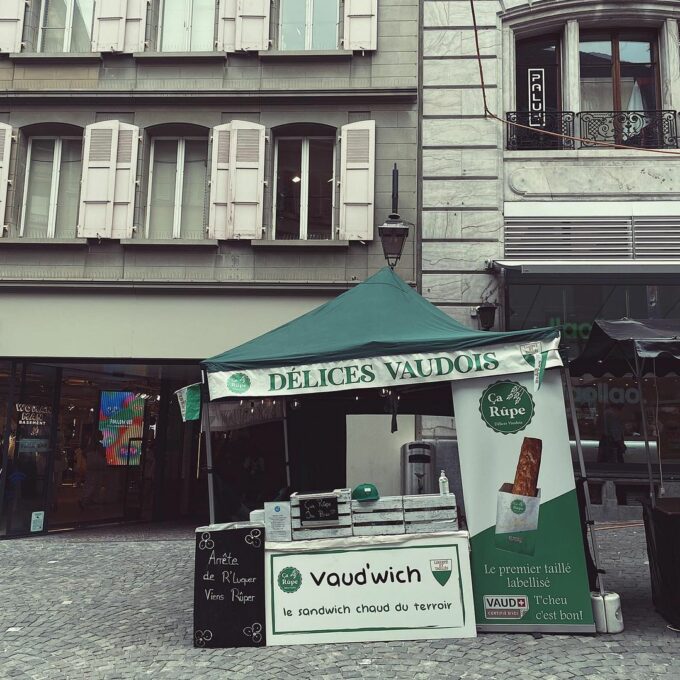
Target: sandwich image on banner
(519, 502)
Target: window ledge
(600, 153)
(298, 243)
(183, 56)
(171, 242)
(20, 241)
(305, 55)
(54, 57)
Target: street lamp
(394, 232)
(486, 315)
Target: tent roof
(612, 346)
(381, 316)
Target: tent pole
(205, 421)
(285, 442)
(645, 434)
(584, 475)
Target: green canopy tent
(381, 336)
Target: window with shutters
(66, 25)
(304, 187)
(309, 24)
(187, 25)
(177, 188)
(52, 187)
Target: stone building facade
(568, 211)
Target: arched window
(304, 185)
(52, 182)
(178, 176)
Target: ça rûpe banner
(527, 555)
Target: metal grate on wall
(596, 238)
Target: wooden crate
(342, 529)
(378, 518)
(430, 513)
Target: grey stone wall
(152, 89)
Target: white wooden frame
(179, 182)
(189, 18)
(309, 22)
(304, 181)
(54, 182)
(68, 28)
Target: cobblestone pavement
(117, 603)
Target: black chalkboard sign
(229, 608)
(319, 510)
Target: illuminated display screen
(121, 419)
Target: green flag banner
(189, 399)
(527, 557)
(385, 371)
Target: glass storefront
(88, 443)
(608, 407)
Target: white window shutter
(108, 34)
(219, 225)
(126, 181)
(98, 183)
(252, 25)
(246, 186)
(135, 26)
(12, 14)
(361, 25)
(357, 180)
(5, 150)
(226, 26)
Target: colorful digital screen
(121, 421)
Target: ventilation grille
(3, 136)
(100, 146)
(247, 146)
(358, 146)
(125, 138)
(223, 147)
(592, 238)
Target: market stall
(649, 347)
(380, 344)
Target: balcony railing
(645, 129)
(559, 122)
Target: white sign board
(369, 588)
(277, 525)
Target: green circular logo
(518, 506)
(506, 407)
(290, 579)
(239, 383)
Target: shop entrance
(94, 443)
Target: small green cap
(365, 492)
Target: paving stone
(117, 604)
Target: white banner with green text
(388, 371)
(527, 553)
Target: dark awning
(613, 346)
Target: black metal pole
(638, 375)
(395, 190)
(205, 420)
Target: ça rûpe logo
(506, 407)
(239, 383)
(289, 580)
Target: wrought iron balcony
(645, 129)
(559, 122)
